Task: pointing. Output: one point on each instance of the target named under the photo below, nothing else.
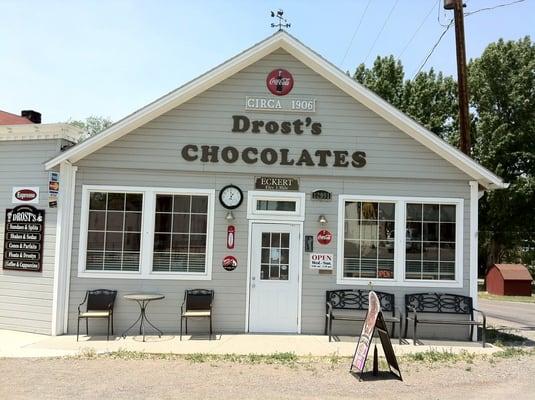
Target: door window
(275, 256)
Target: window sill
(140, 276)
(399, 283)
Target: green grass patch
(514, 352)
(445, 356)
(518, 299)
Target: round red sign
(230, 263)
(280, 82)
(324, 236)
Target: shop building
(269, 179)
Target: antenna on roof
(282, 21)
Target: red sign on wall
(324, 237)
(280, 82)
(231, 231)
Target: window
(274, 205)
(147, 233)
(275, 256)
(180, 231)
(397, 240)
(430, 245)
(287, 206)
(369, 239)
(114, 231)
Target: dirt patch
(120, 378)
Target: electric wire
(355, 33)
(493, 7)
(434, 47)
(417, 30)
(381, 30)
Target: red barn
(509, 280)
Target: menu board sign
(23, 239)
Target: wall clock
(230, 197)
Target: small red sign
(25, 195)
(324, 237)
(280, 82)
(231, 231)
(230, 263)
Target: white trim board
(283, 40)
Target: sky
(71, 59)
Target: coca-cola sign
(324, 237)
(280, 82)
(25, 195)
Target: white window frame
(297, 197)
(147, 233)
(400, 239)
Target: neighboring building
(26, 117)
(26, 297)
(230, 164)
(509, 280)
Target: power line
(434, 47)
(417, 30)
(355, 33)
(381, 30)
(494, 7)
(438, 15)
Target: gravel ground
(105, 378)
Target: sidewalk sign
(374, 321)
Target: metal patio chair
(99, 305)
(197, 304)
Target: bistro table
(143, 300)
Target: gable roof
(283, 40)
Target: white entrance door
(274, 284)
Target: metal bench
(357, 300)
(441, 303)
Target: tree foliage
(92, 125)
(502, 100)
(502, 88)
(430, 98)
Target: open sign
(321, 261)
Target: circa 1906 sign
(23, 239)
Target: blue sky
(72, 59)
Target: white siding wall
(150, 156)
(26, 297)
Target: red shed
(509, 280)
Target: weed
(88, 352)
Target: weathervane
(282, 21)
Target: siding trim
(314, 61)
(400, 239)
(474, 237)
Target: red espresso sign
(26, 195)
(279, 82)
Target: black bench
(441, 303)
(349, 299)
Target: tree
(502, 88)
(430, 98)
(92, 125)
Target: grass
(518, 299)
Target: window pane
(370, 211)
(161, 261)
(351, 248)
(285, 240)
(132, 241)
(431, 212)
(352, 210)
(447, 271)
(351, 267)
(266, 239)
(447, 232)
(272, 205)
(352, 229)
(447, 252)
(163, 222)
(162, 242)
(132, 222)
(95, 241)
(94, 261)
(198, 223)
(386, 211)
(97, 201)
(413, 250)
(447, 213)
(197, 243)
(112, 261)
(386, 250)
(199, 204)
(430, 231)
(368, 249)
(368, 230)
(414, 212)
(182, 204)
(181, 223)
(134, 202)
(414, 231)
(275, 239)
(116, 201)
(131, 261)
(386, 230)
(114, 241)
(114, 221)
(386, 269)
(164, 203)
(430, 270)
(196, 262)
(430, 251)
(97, 220)
(180, 243)
(179, 262)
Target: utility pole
(462, 76)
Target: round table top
(144, 296)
